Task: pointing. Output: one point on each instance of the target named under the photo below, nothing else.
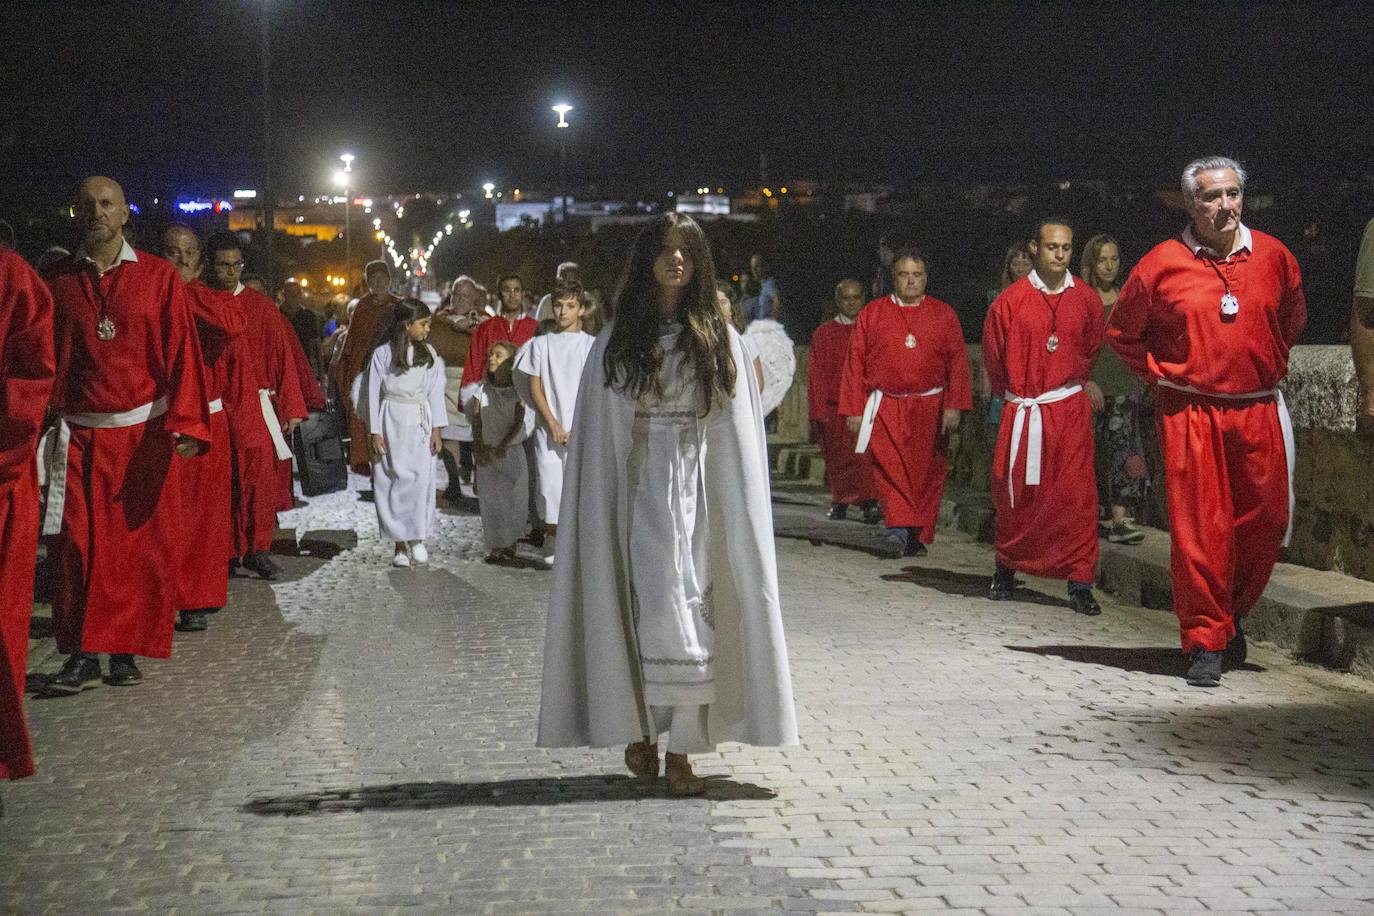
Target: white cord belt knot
(1028, 418)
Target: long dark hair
(633, 356)
(402, 314)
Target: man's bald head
(101, 213)
(849, 298)
(181, 246)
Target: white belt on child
(53, 447)
(1035, 437)
(269, 416)
(1290, 448)
(426, 421)
(871, 413)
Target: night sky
(444, 95)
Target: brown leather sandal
(682, 782)
(641, 759)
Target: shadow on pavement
(864, 540)
(1159, 660)
(968, 585)
(553, 790)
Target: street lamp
(562, 110)
(343, 179)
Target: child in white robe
(553, 363)
(664, 613)
(405, 411)
(500, 423)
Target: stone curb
(1317, 615)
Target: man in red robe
(1040, 338)
(370, 318)
(847, 471)
(205, 481)
(264, 403)
(905, 381)
(130, 393)
(26, 380)
(1208, 318)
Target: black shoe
(123, 672)
(1003, 583)
(914, 547)
(1236, 650)
(838, 512)
(873, 513)
(261, 564)
(1205, 671)
(234, 565)
(892, 546)
(192, 622)
(81, 672)
(1083, 602)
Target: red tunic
(370, 319)
(847, 472)
(314, 400)
(1051, 531)
(1224, 458)
(909, 458)
(114, 589)
(207, 480)
(26, 379)
(496, 328)
(260, 358)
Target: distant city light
(133, 208)
(347, 160)
(341, 178)
(245, 194)
(489, 187)
(464, 214)
(194, 206)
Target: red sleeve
(217, 314)
(819, 376)
(853, 393)
(27, 365)
(475, 366)
(1292, 304)
(183, 365)
(1126, 328)
(958, 386)
(290, 399)
(994, 345)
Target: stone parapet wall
(1334, 479)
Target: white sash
(269, 416)
(871, 414)
(426, 421)
(53, 447)
(1035, 437)
(1290, 447)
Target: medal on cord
(1230, 305)
(910, 341)
(1052, 342)
(105, 327)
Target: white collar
(900, 304)
(1039, 284)
(238, 288)
(1244, 241)
(126, 253)
(840, 319)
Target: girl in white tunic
(664, 613)
(500, 423)
(405, 410)
(553, 364)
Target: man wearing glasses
(264, 401)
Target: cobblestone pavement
(359, 739)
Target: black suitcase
(320, 456)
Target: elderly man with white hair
(1208, 318)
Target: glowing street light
(489, 187)
(562, 110)
(343, 178)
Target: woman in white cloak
(405, 411)
(664, 613)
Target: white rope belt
(56, 442)
(1290, 447)
(426, 421)
(269, 416)
(1028, 418)
(871, 413)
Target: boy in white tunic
(664, 613)
(500, 423)
(553, 364)
(405, 411)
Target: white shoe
(418, 553)
(401, 560)
(548, 550)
